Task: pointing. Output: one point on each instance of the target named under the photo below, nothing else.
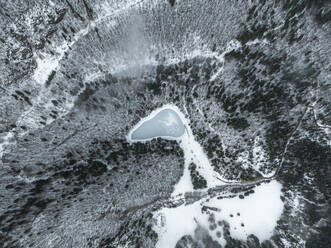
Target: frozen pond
(168, 122)
(165, 123)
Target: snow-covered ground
(193, 153)
(255, 214)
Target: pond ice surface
(165, 123)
